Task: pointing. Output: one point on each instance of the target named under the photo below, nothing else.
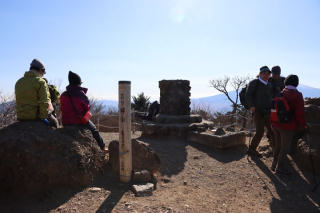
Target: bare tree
(96, 109)
(7, 110)
(236, 83)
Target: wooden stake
(125, 152)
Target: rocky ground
(193, 178)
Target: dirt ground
(193, 178)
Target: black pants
(53, 121)
(95, 133)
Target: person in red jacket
(74, 105)
(284, 132)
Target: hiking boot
(254, 153)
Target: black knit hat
(74, 78)
(276, 70)
(292, 80)
(264, 69)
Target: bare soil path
(193, 178)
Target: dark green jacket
(259, 95)
(32, 97)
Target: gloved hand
(46, 121)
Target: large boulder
(36, 158)
(312, 113)
(308, 156)
(143, 157)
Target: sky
(145, 41)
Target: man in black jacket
(259, 98)
(276, 81)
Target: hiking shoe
(254, 153)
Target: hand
(252, 109)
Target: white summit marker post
(125, 152)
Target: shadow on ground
(50, 201)
(173, 157)
(294, 192)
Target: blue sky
(147, 40)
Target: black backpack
(242, 95)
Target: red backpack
(280, 110)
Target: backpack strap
(73, 106)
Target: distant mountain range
(220, 102)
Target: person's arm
(299, 112)
(44, 100)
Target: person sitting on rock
(32, 95)
(285, 131)
(75, 107)
(54, 97)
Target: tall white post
(125, 152)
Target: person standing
(284, 132)
(259, 99)
(32, 94)
(277, 81)
(75, 106)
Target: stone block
(142, 190)
(218, 142)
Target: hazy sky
(145, 41)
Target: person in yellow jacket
(32, 94)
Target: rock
(143, 158)
(313, 101)
(172, 130)
(143, 190)
(141, 176)
(37, 158)
(185, 183)
(312, 113)
(94, 189)
(220, 131)
(216, 141)
(173, 119)
(174, 97)
(230, 129)
(303, 158)
(166, 180)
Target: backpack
(280, 110)
(54, 94)
(242, 95)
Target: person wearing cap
(32, 94)
(259, 99)
(284, 132)
(75, 105)
(277, 81)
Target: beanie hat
(292, 80)
(276, 70)
(264, 69)
(37, 64)
(74, 78)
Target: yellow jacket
(32, 97)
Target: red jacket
(80, 101)
(296, 104)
